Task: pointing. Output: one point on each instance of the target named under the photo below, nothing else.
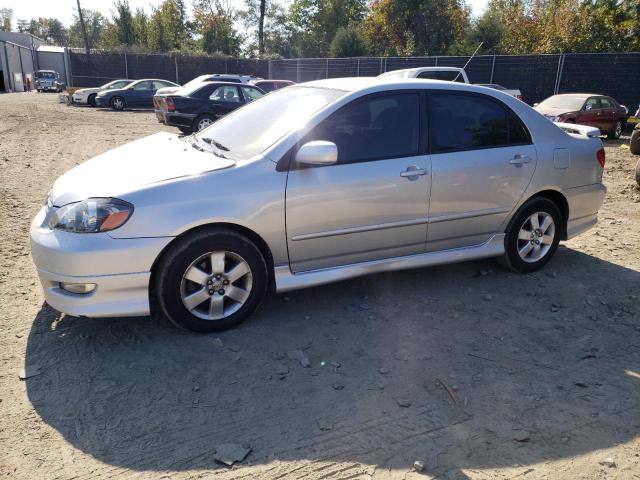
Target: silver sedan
(312, 184)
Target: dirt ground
(477, 372)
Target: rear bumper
(584, 203)
(179, 119)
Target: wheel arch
(561, 202)
(247, 232)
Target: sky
(64, 9)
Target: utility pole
(263, 8)
(84, 29)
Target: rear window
(442, 75)
(468, 122)
(563, 102)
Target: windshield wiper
(218, 145)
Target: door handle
(413, 172)
(520, 159)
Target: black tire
(186, 130)
(512, 258)
(181, 256)
(638, 173)
(92, 100)
(615, 133)
(117, 103)
(201, 118)
(634, 144)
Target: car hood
(156, 158)
(551, 111)
(88, 90)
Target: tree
(51, 30)
(263, 7)
(213, 19)
(415, 27)
(84, 29)
(166, 29)
(123, 23)
(347, 42)
(314, 23)
(94, 29)
(6, 15)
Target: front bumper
(120, 268)
(79, 98)
(102, 101)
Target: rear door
(482, 161)
(224, 99)
(372, 204)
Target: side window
(373, 129)
(225, 93)
(267, 86)
(592, 104)
(158, 85)
(142, 86)
(605, 103)
(204, 92)
(251, 94)
(467, 122)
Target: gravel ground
(475, 371)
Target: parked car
(48, 81)
(586, 109)
(452, 74)
(138, 94)
(634, 146)
(271, 85)
(313, 184)
(197, 107)
(88, 95)
(211, 77)
(514, 92)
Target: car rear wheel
(532, 236)
(92, 100)
(616, 132)
(211, 280)
(634, 144)
(638, 173)
(117, 103)
(202, 122)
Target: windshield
(46, 75)
(115, 84)
(250, 130)
(563, 102)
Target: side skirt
(287, 280)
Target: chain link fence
(537, 76)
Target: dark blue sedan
(138, 94)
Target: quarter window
(605, 103)
(467, 122)
(371, 129)
(251, 94)
(142, 86)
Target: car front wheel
(92, 100)
(532, 236)
(211, 280)
(117, 103)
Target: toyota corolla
(315, 183)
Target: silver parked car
(88, 95)
(312, 184)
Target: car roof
(579, 95)
(353, 84)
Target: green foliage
(6, 15)
(214, 22)
(348, 42)
(96, 24)
(277, 36)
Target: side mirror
(317, 152)
(536, 104)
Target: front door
(373, 203)
(140, 95)
(482, 162)
(225, 99)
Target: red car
(271, 85)
(590, 109)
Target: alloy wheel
(216, 285)
(618, 129)
(536, 237)
(204, 123)
(118, 103)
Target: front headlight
(91, 216)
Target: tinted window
(442, 75)
(251, 94)
(157, 84)
(226, 93)
(201, 92)
(267, 86)
(463, 122)
(592, 104)
(605, 103)
(142, 86)
(376, 128)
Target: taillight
(171, 107)
(519, 97)
(601, 157)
